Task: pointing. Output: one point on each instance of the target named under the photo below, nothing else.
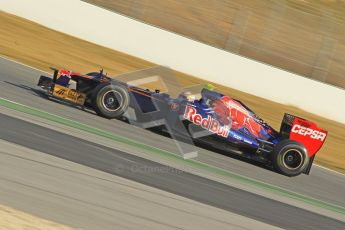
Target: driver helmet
(187, 96)
(210, 87)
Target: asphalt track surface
(17, 82)
(181, 183)
(92, 199)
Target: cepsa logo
(208, 123)
(304, 131)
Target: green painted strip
(172, 156)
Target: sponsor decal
(208, 123)
(248, 142)
(60, 92)
(237, 137)
(65, 73)
(304, 131)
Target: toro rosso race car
(213, 119)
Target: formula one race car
(214, 119)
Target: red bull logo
(208, 123)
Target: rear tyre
(110, 101)
(290, 158)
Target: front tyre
(290, 158)
(110, 101)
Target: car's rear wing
(305, 132)
(61, 91)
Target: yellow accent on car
(69, 94)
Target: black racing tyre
(110, 101)
(290, 158)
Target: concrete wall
(115, 31)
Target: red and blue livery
(211, 119)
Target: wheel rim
(292, 159)
(112, 100)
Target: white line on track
(20, 63)
(331, 170)
(34, 68)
